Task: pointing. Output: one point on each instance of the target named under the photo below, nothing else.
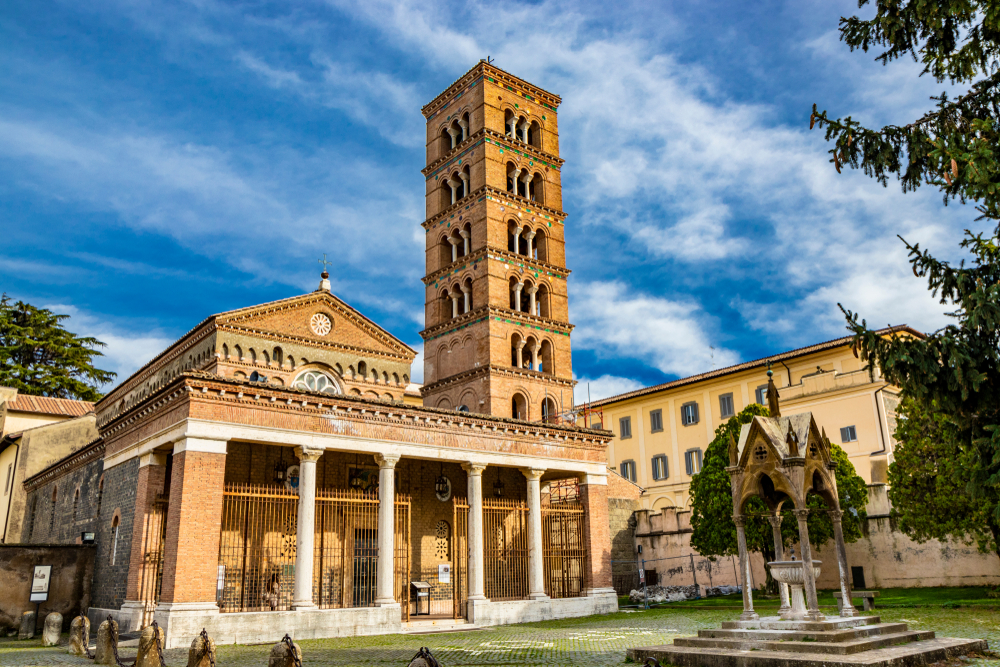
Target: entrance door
(365, 559)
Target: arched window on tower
(549, 410)
(535, 134)
(466, 235)
(545, 363)
(516, 293)
(543, 300)
(467, 295)
(537, 190)
(513, 174)
(518, 407)
(541, 245)
(510, 124)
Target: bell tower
(497, 331)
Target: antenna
(712, 348)
(489, 60)
(590, 408)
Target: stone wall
(69, 588)
(117, 500)
(64, 507)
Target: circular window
(316, 381)
(320, 324)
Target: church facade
(264, 474)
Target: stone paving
(591, 642)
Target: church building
(264, 475)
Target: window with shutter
(726, 408)
(848, 434)
(656, 421)
(625, 427)
(689, 414)
(660, 469)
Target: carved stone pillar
(305, 528)
(477, 568)
(384, 583)
(846, 608)
(779, 554)
(741, 542)
(536, 564)
(809, 575)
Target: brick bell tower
(497, 336)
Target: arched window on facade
(518, 407)
(537, 190)
(517, 351)
(362, 370)
(76, 504)
(225, 351)
(278, 358)
(318, 381)
(52, 513)
(545, 358)
(466, 235)
(535, 134)
(516, 293)
(239, 353)
(513, 177)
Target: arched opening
(278, 357)
(318, 381)
(114, 540)
(531, 350)
(225, 351)
(545, 358)
(518, 407)
(516, 293)
(466, 235)
(544, 302)
(467, 294)
(513, 173)
(253, 356)
(537, 190)
(509, 123)
(515, 236)
(267, 358)
(444, 252)
(516, 351)
(528, 294)
(395, 378)
(535, 134)
(374, 375)
(362, 370)
(549, 410)
(523, 127)
(466, 124)
(444, 191)
(541, 245)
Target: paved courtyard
(592, 641)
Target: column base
(848, 611)
(133, 611)
(538, 596)
(749, 616)
(478, 598)
(387, 602)
(304, 606)
(815, 616)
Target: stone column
(464, 124)
(384, 584)
(145, 533)
(524, 131)
(846, 609)
(512, 128)
(517, 239)
(531, 295)
(305, 528)
(517, 295)
(453, 184)
(454, 136)
(536, 564)
(741, 542)
(812, 604)
(477, 569)
(465, 235)
(515, 177)
(534, 357)
(454, 305)
(467, 294)
(454, 247)
(465, 193)
(779, 554)
(531, 237)
(520, 354)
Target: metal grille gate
(563, 549)
(505, 549)
(151, 576)
(460, 554)
(258, 544)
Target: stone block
(79, 636)
(52, 629)
(27, 630)
(107, 634)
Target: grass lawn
(889, 598)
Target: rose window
(760, 454)
(316, 381)
(320, 324)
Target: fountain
(792, 572)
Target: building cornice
(490, 193)
(484, 70)
(498, 371)
(484, 313)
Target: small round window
(316, 381)
(320, 324)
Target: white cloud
(603, 387)
(669, 335)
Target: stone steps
(851, 646)
(913, 654)
(795, 635)
(775, 623)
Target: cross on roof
(324, 263)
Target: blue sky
(162, 161)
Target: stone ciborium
(791, 572)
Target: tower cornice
(497, 371)
(501, 255)
(488, 192)
(497, 138)
(482, 69)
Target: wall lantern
(279, 469)
(355, 482)
(498, 486)
(442, 487)
(87, 538)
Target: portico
(333, 552)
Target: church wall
(63, 522)
(111, 562)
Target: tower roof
(483, 68)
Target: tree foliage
(714, 533)
(929, 500)
(39, 356)
(953, 373)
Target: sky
(161, 161)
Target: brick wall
(111, 564)
(73, 512)
(594, 498)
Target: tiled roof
(758, 363)
(50, 406)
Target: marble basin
(791, 571)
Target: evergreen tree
(40, 357)
(714, 533)
(929, 499)
(954, 373)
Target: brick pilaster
(594, 498)
(148, 485)
(191, 558)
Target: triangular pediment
(318, 318)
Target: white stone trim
(208, 446)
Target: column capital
(533, 474)
(385, 461)
(452, 131)
(532, 289)
(465, 288)
(521, 343)
(473, 468)
(153, 458)
(518, 287)
(597, 480)
(739, 520)
(464, 176)
(464, 233)
(775, 520)
(454, 240)
(529, 235)
(308, 454)
(200, 445)
(801, 515)
(836, 515)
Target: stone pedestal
(107, 632)
(79, 636)
(27, 630)
(52, 629)
(150, 642)
(202, 652)
(282, 655)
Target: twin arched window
(522, 182)
(519, 128)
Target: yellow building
(662, 432)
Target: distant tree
(40, 357)
(713, 530)
(952, 375)
(929, 497)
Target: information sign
(40, 583)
